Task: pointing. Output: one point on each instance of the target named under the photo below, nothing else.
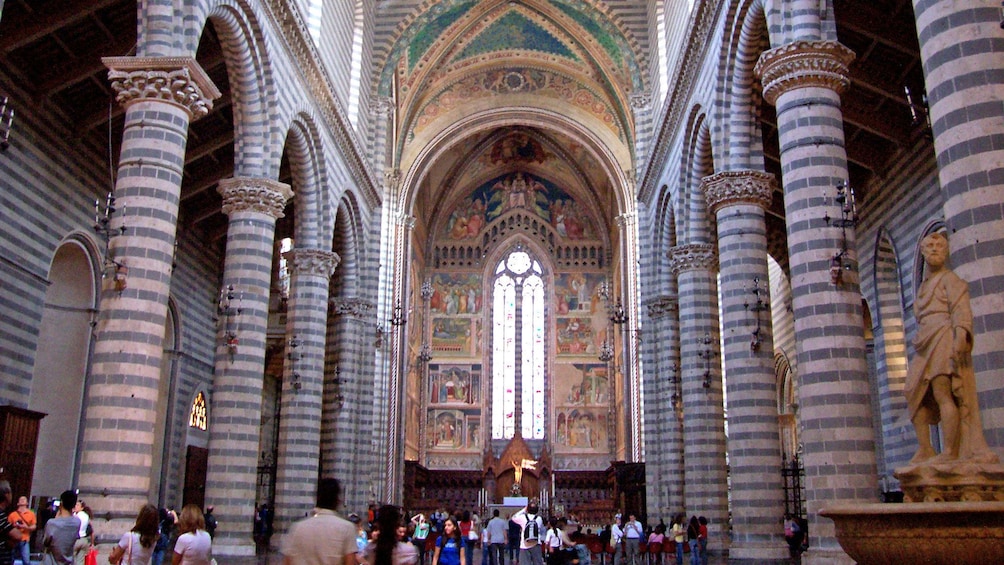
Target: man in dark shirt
(62, 532)
(8, 533)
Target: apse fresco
(456, 294)
(582, 399)
(519, 190)
(458, 337)
(454, 385)
(578, 294)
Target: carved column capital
(729, 188)
(313, 261)
(177, 80)
(254, 194)
(804, 64)
(641, 100)
(352, 308)
(662, 306)
(392, 179)
(693, 257)
(383, 107)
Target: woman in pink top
(194, 546)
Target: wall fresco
(454, 398)
(582, 399)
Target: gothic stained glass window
(518, 277)
(198, 417)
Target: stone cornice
(286, 18)
(804, 64)
(693, 257)
(729, 188)
(316, 262)
(352, 308)
(662, 307)
(678, 101)
(177, 80)
(266, 196)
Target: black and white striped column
(161, 96)
(302, 387)
(349, 404)
(705, 477)
(963, 55)
(253, 205)
(663, 429)
(804, 81)
(738, 199)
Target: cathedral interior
(642, 256)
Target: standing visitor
(450, 546)
(693, 539)
(497, 529)
(194, 546)
(325, 538)
(210, 521)
(679, 532)
(25, 522)
(422, 528)
(83, 543)
(530, 526)
(137, 545)
(616, 537)
(632, 539)
(61, 532)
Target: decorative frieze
(693, 257)
(178, 80)
(729, 188)
(352, 308)
(662, 306)
(254, 194)
(313, 261)
(804, 64)
(641, 100)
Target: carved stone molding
(392, 180)
(662, 306)
(382, 107)
(693, 257)
(641, 100)
(804, 64)
(352, 308)
(178, 80)
(729, 188)
(313, 261)
(243, 194)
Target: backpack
(531, 532)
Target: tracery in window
(198, 417)
(518, 313)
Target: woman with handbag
(194, 546)
(136, 546)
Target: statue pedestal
(920, 532)
(952, 481)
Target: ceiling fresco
(461, 57)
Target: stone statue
(940, 382)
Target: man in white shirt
(616, 536)
(324, 538)
(632, 537)
(531, 528)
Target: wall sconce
(617, 314)
(606, 352)
(675, 399)
(424, 354)
(229, 313)
(919, 113)
(706, 354)
(293, 354)
(603, 290)
(427, 290)
(102, 225)
(339, 398)
(6, 121)
(398, 319)
(378, 337)
(758, 306)
(848, 218)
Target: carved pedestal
(953, 481)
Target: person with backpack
(531, 527)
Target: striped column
(705, 478)
(963, 57)
(663, 430)
(739, 199)
(303, 375)
(253, 205)
(161, 96)
(349, 420)
(804, 80)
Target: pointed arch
(306, 161)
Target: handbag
(92, 557)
